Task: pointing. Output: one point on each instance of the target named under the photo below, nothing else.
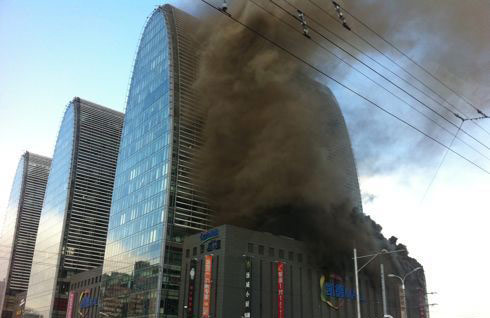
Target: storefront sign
(69, 307)
(422, 304)
(403, 303)
(208, 262)
(214, 245)
(248, 288)
(280, 290)
(19, 312)
(333, 291)
(209, 235)
(421, 293)
(86, 301)
(190, 290)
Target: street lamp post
(357, 270)
(403, 300)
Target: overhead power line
(439, 166)
(416, 63)
(313, 67)
(483, 115)
(387, 79)
(355, 47)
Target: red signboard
(190, 290)
(69, 307)
(206, 301)
(422, 303)
(280, 290)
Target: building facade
(75, 213)
(84, 294)
(20, 226)
(231, 272)
(155, 202)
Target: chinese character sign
(422, 305)
(190, 290)
(403, 304)
(248, 288)
(280, 290)
(206, 300)
(333, 291)
(69, 307)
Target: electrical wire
(462, 97)
(401, 67)
(390, 92)
(384, 77)
(438, 168)
(297, 57)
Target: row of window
(260, 249)
(211, 246)
(86, 282)
(251, 248)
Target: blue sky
(51, 51)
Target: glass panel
(138, 213)
(44, 269)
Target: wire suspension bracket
(483, 116)
(341, 15)
(224, 8)
(301, 17)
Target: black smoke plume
(276, 155)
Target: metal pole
(358, 301)
(383, 289)
(405, 315)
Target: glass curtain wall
(8, 230)
(138, 213)
(22, 220)
(48, 245)
(156, 201)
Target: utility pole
(403, 299)
(357, 270)
(356, 274)
(383, 289)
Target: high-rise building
(75, 213)
(19, 232)
(156, 202)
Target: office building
(155, 202)
(234, 272)
(19, 231)
(73, 225)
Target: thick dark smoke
(447, 37)
(454, 44)
(271, 141)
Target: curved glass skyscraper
(73, 224)
(155, 202)
(18, 236)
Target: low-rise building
(234, 272)
(84, 295)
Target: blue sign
(87, 302)
(334, 293)
(214, 245)
(209, 235)
(339, 291)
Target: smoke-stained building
(232, 272)
(75, 213)
(20, 226)
(156, 202)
